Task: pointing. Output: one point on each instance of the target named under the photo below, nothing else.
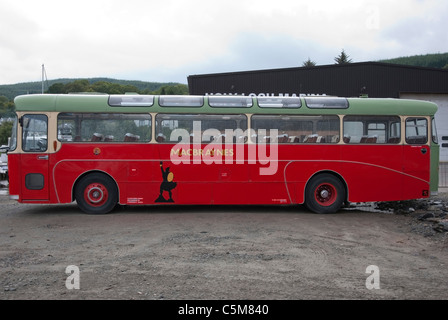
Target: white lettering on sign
(269, 94)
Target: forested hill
(13, 90)
(436, 60)
(106, 85)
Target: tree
(78, 86)
(6, 108)
(83, 85)
(308, 63)
(178, 89)
(343, 58)
(57, 88)
(5, 132)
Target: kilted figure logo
(167, 184)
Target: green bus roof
(103, 103)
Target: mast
(43, 75)
(44, 78)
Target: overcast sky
(168, 40)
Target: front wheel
(96, 193)
(324, 193)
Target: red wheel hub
(96, 194)
(326, 194)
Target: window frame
(162, 137)
(104, 137)
(227, 102)
(183, 101)
(416, 138)
(283, 104)
(147, 100)
(308, 134)
(367, 136)
(34, 116)
(324, 103)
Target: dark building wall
(378, 79)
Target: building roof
(378, 80)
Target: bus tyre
(96, 193)
(324, 193)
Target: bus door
(34, 160)
(416, 161)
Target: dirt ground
(223, 252)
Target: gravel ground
(224, 252)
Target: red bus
(105, 150)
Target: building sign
(268, 94)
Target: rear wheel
(324, 193)
(96, 193)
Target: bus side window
(296, 129)
(35, 132)
(289, 129)
(203, 128)
(372, 129)
(104, 127)
(327, 129)
(394, 133)
(416, 131)
(435, 139)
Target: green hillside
(13, 90)
(436, 60)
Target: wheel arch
(331, 172)
(81, 176)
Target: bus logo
(167, 184)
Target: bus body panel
(138, 173)
(15, 176)
(30, 181)
(35, 184)
(386, 172)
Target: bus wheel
(96, 193)
(324, 193)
